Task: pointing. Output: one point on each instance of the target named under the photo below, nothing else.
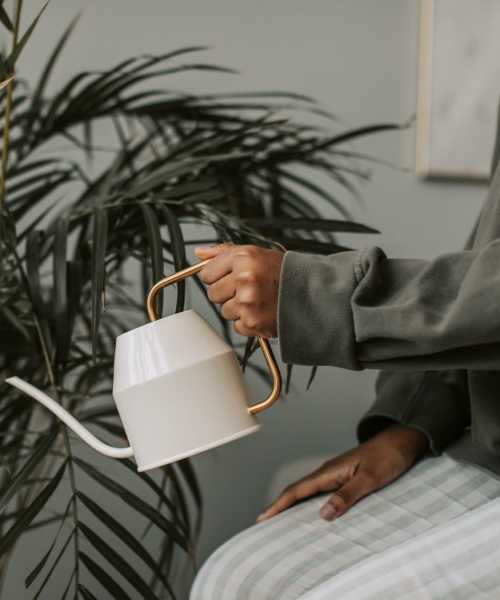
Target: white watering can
(177, 385)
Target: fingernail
(261, 518)
(327, 512)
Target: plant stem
(72, 480)
(8, 110)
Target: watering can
(177, 385)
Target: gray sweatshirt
(433, 327)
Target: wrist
(412, 442)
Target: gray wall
(359, 58)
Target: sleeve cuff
(315, 324)
(427, 402)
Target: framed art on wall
(459, 87)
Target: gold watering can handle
(263, 342)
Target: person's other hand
(357, 473)
(244, 280)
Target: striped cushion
(382, 544)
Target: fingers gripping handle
(263, 342)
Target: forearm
(362, 310)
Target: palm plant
(183, 169)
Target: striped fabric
(434, 533)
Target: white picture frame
(459, 88)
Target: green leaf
(309, 224)
(312, 375)
(288, 378)
(99, 243)
(30, 512)
(315, 189)
(16, 52)
(5, 19)
(60, 554)
(125, 536)
(160, 493)
(155, 247)
(88, 595)
(75, 285)
(355, 133)
(251, 345)
(15, 322)
(186, 468)
(40, 565)
(103, 578)
(34, 242)
(38, 92)
(60, 290)
(135, 502)
(49, 65)
(12, 486)
(178, 250)
(68, 586)
(123, 567)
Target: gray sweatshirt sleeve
(433, 402)
(437, 403)
(360, 309)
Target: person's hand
(357, 473)
(245, 281)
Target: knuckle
(251, 322)
(340, 498)
(224, 247)
(247, 277)
(248, 294)
(229, 310)
(248, 249)
(239, 327)
(212, 294)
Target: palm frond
(242, 166)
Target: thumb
(346, 496)
(205, 252)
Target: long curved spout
(69, 420)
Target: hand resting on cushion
(356, 473)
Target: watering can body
(178, 388)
